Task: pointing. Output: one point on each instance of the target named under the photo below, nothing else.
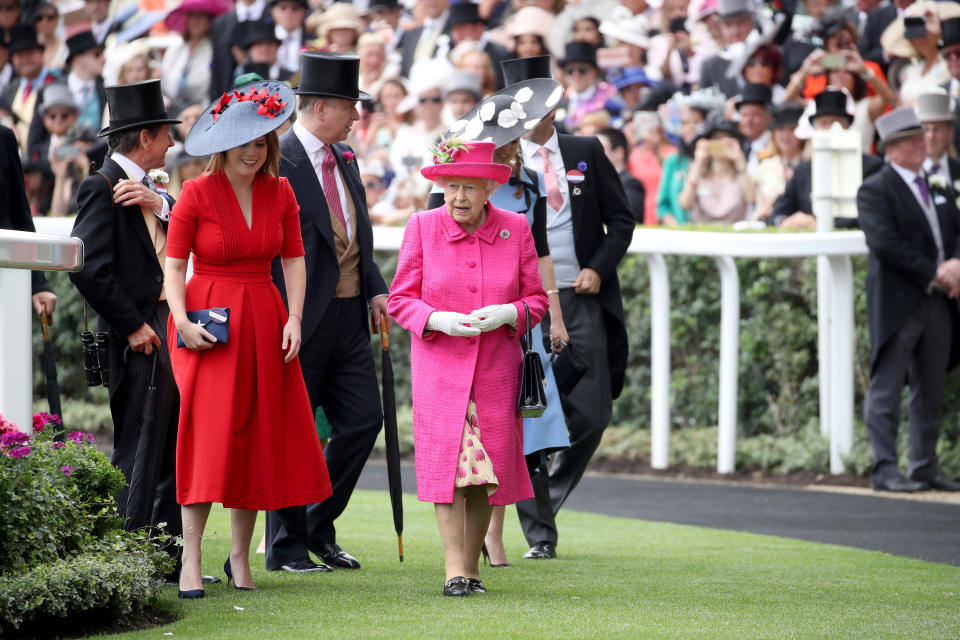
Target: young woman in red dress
(246, 436)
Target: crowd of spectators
(704, 107)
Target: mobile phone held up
(833, 61)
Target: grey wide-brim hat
(57, 95)
(896, 125)
(933, 105)
(509, 113)
(241, 116)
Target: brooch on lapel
(576, 176)
(504, 233)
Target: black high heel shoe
(227, 569)
(191, 594)
(486, 558)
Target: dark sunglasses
(578, 69)
(58, 115)
(763, 62)
(434, 100)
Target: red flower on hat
(222, 104)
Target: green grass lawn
(614, 578)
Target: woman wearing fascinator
(496, 119)
(246, 435)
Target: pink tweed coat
(442, 268)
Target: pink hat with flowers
(470, 159)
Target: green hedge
(778, 387)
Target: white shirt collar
(250, 12)
(283, 34)
(531, 148)
(943, 164)
(760, 143)
(76, 84)
(132, 169)
(907, 175)
(311, 143)
(439, 21)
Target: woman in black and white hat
(246, 435)
(503, 118)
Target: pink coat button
(472, 288)
(471, 263)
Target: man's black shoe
(333, 556)
(541, 551)
(941, 482)
(899, 484)
(304, 566)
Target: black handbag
(532, 401)
(568, 367)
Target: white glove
(495, 316)
(453, 323)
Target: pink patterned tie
(330, 184)
(554, 198)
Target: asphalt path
(927, 530)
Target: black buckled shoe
(457, 587)
(333, 556)
(476, 586)
(304, 565)
(541, 551)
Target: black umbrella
(50, 368)
(390, 435)
(151, 439)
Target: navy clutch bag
(216, 321)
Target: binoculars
(95, 364)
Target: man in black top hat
(430, 40)
(950, 52)
(261, 47)
(912, 228)
(466, 25)
(793, 208)
(584, 94)
(227, 54)
(342, 282)
(289, 16)
(85, 63)
(753, 111)
(20, 98)
(122, 221)
(589, 228)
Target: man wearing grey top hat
(912, 228)
(737, 20)
(936, 114)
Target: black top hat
(831, 103)
(239, 116)
(303, 3)
(23, 37)
(253, 31)
(331, 74)
(464, 13)
(949, 32)
(520, 69)
(135, 106)
(786, 114)
(81, 42)
(754, 94)
(510, 113)
(577, 51)
(383, 4)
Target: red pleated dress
(246, 438)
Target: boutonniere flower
(348, 156)
(937, 182)
(159, 176)
(956, 185)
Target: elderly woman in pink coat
(465, 271)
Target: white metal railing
(19, 252)
(835, 313)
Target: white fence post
(729, 363)
(659, 362)
(16, 348)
